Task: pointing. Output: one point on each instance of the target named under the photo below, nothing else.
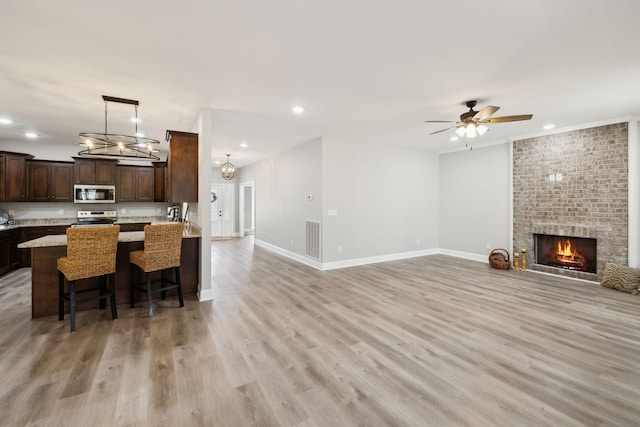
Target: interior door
(216, 211)
(222, 210)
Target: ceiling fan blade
(485, 112)
(439, 121)
(442, 130)
(505, 119)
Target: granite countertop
(4, 227)
(125, 236)
(66, 222)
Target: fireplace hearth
(569, 253)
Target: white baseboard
(369, 260)
(205, 295)
(465, 255)
(375, 259)
(294, 256)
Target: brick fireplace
(573, 184)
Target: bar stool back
(91, 252)
(162, 250)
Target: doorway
(222, 210)
(247, 208)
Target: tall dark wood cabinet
(159, 181)
(94, 171)
(182, 167)
(49, 181)
(134, 184)
(13, 176)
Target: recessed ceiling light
(31, 135)
(217, 162)
(244, 145)
(548, 126)
(453, 138)
(5, 121)
(297, 109)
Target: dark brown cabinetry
(94, 171)
(159, 181)
(133, 226)
(30, 233)
(182, 167)
(134, 184)
(49, 181)
(13, 177)
(9, 255)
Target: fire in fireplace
(571, 253)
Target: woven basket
(499, 258)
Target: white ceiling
(367, 69)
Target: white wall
(475, 200)
(386, 200)
(248, 210)
(282, 184)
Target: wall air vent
(313, 239)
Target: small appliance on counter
(95, 218)
(4, 218)
(174, 213)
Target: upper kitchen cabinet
(49, 181)
(13, 176)
(159, 181)
(94, 171)
(134, 184)
(182, 167)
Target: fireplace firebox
(570, 253)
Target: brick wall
(591, 200)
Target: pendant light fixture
(109, 145)
(227, 170)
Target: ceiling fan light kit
(473, 122)
(108, 145)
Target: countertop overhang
(125, 236)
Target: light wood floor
(431, 341)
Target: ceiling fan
(473, 122)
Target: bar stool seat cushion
(162, 250)
(91, 252)
(162, 247)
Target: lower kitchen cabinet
(132, 226)
(9, 255)
(30, 233)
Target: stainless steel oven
(94, 193)
(95, 218)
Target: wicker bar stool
(91, 252)
(162, 250)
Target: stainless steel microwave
(94, 193)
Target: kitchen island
(46, 250)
